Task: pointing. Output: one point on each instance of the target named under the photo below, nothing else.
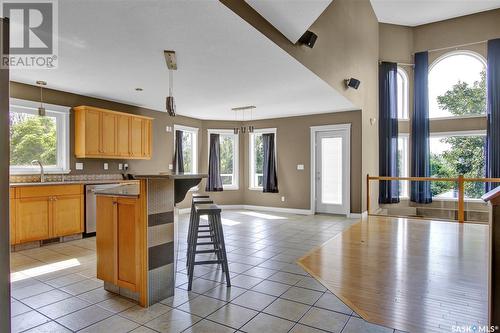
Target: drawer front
(48, 190)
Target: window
(38, 138)
(454, 154)
(402, 86)
(256, 176)
(403, 164)
(189, 147)
(457, 85)
(229, 168)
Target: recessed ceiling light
(138, 89)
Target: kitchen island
(137, 235)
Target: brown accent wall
(162, 141)
(347, 46)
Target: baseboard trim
(357, 215)
(259, 208)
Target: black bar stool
(213, 213)
(192, 232)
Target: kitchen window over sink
(33, 137)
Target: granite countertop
(73, 182)
(125, 190)
(171, 175)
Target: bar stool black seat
(214, 218)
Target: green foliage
(32, 137)
(466, 155)
(187, 151)
(226, 159)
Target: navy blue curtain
(493, 112)
(388, 132)
(178, 157)
(420, 161)
(270, 179)
(214, 181)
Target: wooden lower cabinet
(44, 212)
(118, 233)
(67, 215)
(32, 219)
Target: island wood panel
(121, 243)
(106, 238)
(412, 275)
(128, 224)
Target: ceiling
(291, 17)
(418, 12)
(106, 50)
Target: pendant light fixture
(41, 108)
(243, 109)
(171, 61)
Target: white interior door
(332, 176)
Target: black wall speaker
(170, 106)
(308, 39)
(352, 83)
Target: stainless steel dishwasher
(90, 206)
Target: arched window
(402, 83)
(457, 86)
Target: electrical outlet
(283, 199)
(170, 167)
(106, 166)
(168, 129)
(300, 166)
(120, 166)
(79, 166)
(125, 167)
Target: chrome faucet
(42, 173)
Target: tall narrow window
(403, 89)
(38, 138)
(189, 147)
(229, 161)
(256, 149)
(403, 164)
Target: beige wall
(292, 132)
(347, 46)
(293, 146)
(399, 43)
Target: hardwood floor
(413, 275)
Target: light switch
(106, 166)
(170, 167)
(79, 166)
(168, 129)
(283, 199)
(300, 166)
(120, 166)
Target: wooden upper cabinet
(108, 133)
(101, 133)
(92, 127)
(136, 137)
(123, 136)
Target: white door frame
(347, 162)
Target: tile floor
(55, 287)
